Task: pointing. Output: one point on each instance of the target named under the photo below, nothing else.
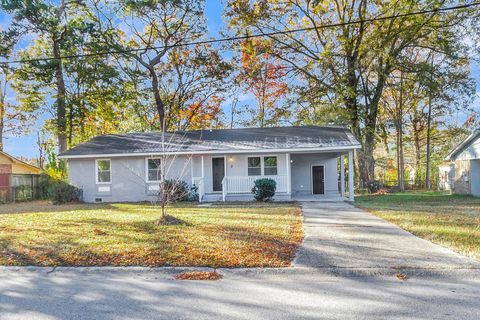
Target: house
(462, 176)
(16, 174)
(307, 162)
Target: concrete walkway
(339, 236)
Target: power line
(245, 37)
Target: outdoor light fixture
(230, 159)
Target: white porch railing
(244, 184)
(198, 181)
(224, 188)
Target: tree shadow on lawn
(47, 207)
(196, 245)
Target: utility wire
(257, 35)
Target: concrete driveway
(341, 236)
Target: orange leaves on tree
(262, 75)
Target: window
(103, 171)
(270, 166)
(254, 166)
(153, 169)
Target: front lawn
(449, 220)
(38, 233)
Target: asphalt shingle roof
(198, 141)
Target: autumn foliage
(264, 77)
(199, 275)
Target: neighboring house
(16, 174)
(462, 176)
(223, 164)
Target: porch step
(212, 197)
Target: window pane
(103, 165)
(153, 175)
(254, 162)
(104, 176)
(254, 172)
(153, 164)
(270, 171)
(270, 161)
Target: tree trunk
(158, 100)
(429, 125)
(416, 132)
(3, 92)
(400, 157)
(429, 120)
(60, 104)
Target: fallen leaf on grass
(99, 232)
(401, 276)
(198, 275)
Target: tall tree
(262, 75)
(52, 24)
(193, 84)
(161, 27)
(350, 62)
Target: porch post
(289, 173)
(342, 176)
(351, 190)
(201, 187)
(191, 170)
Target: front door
(218, 172)
(318, 179)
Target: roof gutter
(207, 152)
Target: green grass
(449, 220)
(38, 233)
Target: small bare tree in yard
(167, 168)
(173, 189)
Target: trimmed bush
(193, 195)
(58, 191)
(374, 185)
(264, 189)
(65, 193)
(177, 190)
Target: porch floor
(319, 198)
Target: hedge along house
(18, 179)
(462, 176)
(306, 163)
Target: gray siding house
(462, 175)
(307, 162)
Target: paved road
(442, 284)
(73, 295)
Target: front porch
(299, 176)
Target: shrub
(177, 190)
(264, 189)
(193, 194)
(45, 186)
(65, 193)
(374, 185)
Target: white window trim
(262, 165)
(96, 171)
(146, 169)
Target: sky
(25, 145)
